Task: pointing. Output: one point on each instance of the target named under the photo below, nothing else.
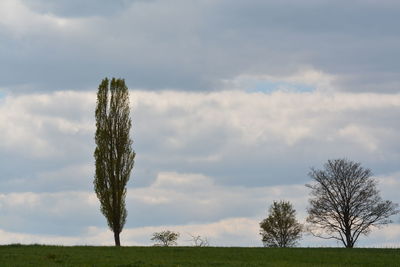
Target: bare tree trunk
(116, 238)
(349, 239)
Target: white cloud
(363, 136)
(226, 215)
(389, 185)
(228, 232)
(185, 181)
(193, 203)
(29, 121)
(196, 198)
(177, 131)
(307, 76)
(204, 160)
(20, 21)
(281, 117)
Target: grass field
(37, 255)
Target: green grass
(37, 255)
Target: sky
(232, 103)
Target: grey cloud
(194, 45)
(253, 143)
(240, 139)
(174, 200)
(67, 213)
(169, 203)
(76, 8)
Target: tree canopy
(114, 157)
(280, 228)
(165, 238)
(345, 202)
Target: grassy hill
(37, 255)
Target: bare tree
(345, 202)
(165, 238)
(114, 156)
(199, 241)
(280, 228)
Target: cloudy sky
(232, 103)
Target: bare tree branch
(345, 202)
(199, 241)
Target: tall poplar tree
(114, 156)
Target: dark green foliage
(194, 256)
(345, 202)
(114, 156)
(280, 228)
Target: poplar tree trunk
(116, 238)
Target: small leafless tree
(165, 238)
(345, 202)
(280, 228)
(199, 241)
